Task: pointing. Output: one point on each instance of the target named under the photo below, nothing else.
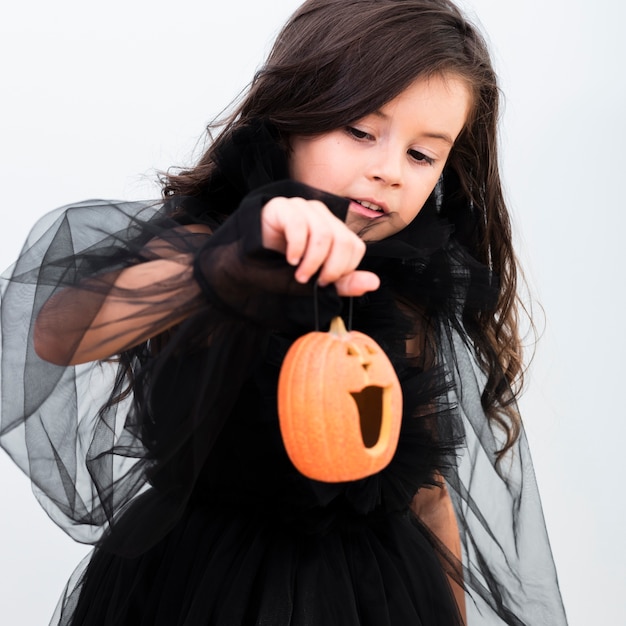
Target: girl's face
(388, 162)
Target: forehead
(437, 105)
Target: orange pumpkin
(339, 405)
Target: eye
(420, 157)
(357, 134)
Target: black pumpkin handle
(316, 310)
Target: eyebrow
(441, 136)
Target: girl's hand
(312, 239)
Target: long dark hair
(336, 61)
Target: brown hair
(336, 61)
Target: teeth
(371, 206)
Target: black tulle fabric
(183, 484)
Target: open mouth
(370, 205)
(368, 209)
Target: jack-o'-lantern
(339, 405)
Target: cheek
(425, 190)
(321, 175)
(301, 170)
(317, 162)
(415, 199)
(306, 161)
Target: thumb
(357, 283)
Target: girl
(358, 177)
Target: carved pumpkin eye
(338, 422)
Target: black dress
(197, 515)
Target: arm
(78, 325)
(107, 314)
(433, 506)
(114, 312)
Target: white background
(95, 98)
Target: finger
(317, 250)
(283, 228)
(344, 257)
(296, 232)
(357, 283)
(319, 243)
(287, 224)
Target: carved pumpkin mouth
(372, 402)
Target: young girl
(358, 177)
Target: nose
(386, 166)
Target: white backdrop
(95, 98)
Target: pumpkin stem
(337, 327)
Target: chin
(371, 231)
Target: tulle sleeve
(93, 437)
(54, 423)
(507, 568)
